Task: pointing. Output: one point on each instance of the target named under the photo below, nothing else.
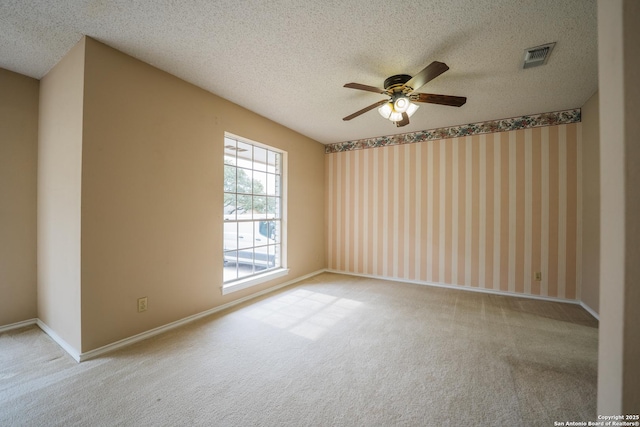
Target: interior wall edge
(59, 181)
(590, 204)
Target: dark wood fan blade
(365, 109)
(404, 121)
(454, 101)
(432, 71)
(365, 87)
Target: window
(254, 190)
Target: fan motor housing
(397, 80)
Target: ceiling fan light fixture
(401, 104)
(390, 112)
(400, 88)
(386, 110)
(395, 117)
(412, 109)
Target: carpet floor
(332, 350)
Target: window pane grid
(252, 209)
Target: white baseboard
(459, 287)
(62, 343)
(17, 325)
(590, 310)
(155, 331)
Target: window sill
(240, 284)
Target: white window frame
(283, 270)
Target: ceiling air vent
(538, 55)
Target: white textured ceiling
(288, 59)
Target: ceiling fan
(401, 91)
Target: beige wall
(590, 290)
(483, 211)
(18, 171)
(619, 88)
(152, 196)
(59, 173)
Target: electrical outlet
(537, 276)
(142, 304)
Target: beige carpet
(333, 350)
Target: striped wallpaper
(485, 211)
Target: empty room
(298, 213)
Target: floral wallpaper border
(503, 125)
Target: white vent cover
(538, 55)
